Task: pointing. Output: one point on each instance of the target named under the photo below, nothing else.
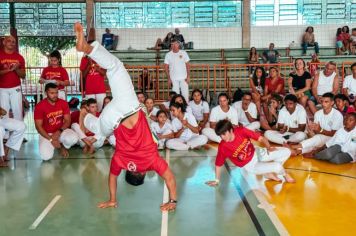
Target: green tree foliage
(48, 44)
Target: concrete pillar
(246, 23)
(90, 7)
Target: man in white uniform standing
(177, 68)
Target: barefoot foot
(289, 178)
(272, 176)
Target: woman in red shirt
(274, 84)
(56, 74)
(94, 80)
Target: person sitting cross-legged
(326, 122)
(291, 123)
(341, 148)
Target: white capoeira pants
(181, 87)
(253, 126)
(68, 138)
(276, 137)
(81, 135)
(193, 142)
(211, 135)
(17, 131)
(12, 98)
(264, 162)
(124, 102)
(316, 141)
(99, 99)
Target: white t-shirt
(347, 141)
(187, 133)
(177, 66)
(153, 112)
(199, 110)
(298, 117)
(350, 84)
(325, 84)
(218, 114)
(166, 104)
(187, 110)
(252, 110)
(166, 129)
(332, 121)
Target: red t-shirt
(74, 117)
(94, 83)
(273, 87)
(136, 150)
(55, 73)
(10, 79)
(51, 115)
(240, 151)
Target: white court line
(164, 224)
(264, 204)
(45, 212)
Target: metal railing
(216, 78)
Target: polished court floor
(322, 202)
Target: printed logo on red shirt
(54, 118)
(131, 166)
(244, 150)
(52, 75)
(8, 63)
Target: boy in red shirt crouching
(236, 145)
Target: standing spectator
(300, 81)
(178, 69)
(349, 85)
(108, 39)
(178, 36)
(52, 121)
(309, 40)
(56, 74)
(12, 69)
(271, 55)
(94, 80)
